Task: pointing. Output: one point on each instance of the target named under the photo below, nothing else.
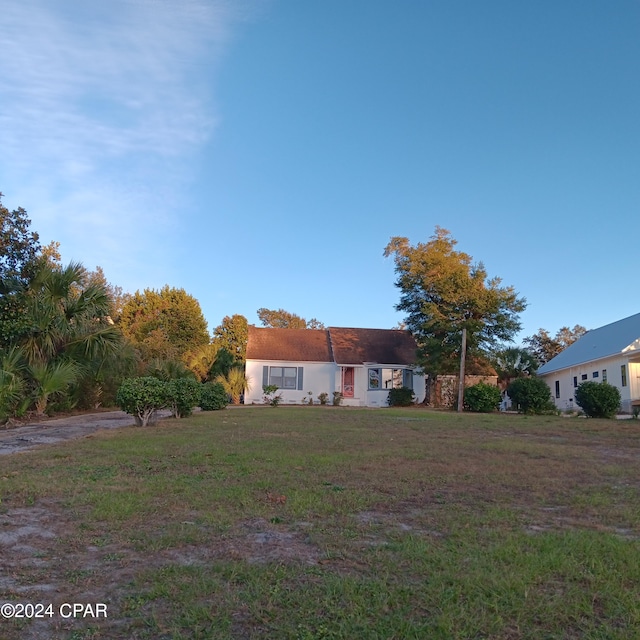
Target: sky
(262, 153)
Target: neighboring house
(608, 354)
(362, 364)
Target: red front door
(348, 376)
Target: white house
(362, 364)
(608, 354)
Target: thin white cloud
(99, 104)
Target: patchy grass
(327, 523)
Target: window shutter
(300, 382)
(265, 376)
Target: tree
(19, 257)
(444, 292)
(513, 362)
(70, 341)
(166, 324)
(232, 334)
(234, 383)
(281, 319)
(543, 347)
(19, 249)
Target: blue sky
(262, 153)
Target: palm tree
(51, 378)
(512, 363)
(234, 383)
(71, 335)
(12, 384)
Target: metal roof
(610, 340)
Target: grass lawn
(321, 522)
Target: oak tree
(281, 319)
(443, 291)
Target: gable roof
(292, 345)
(344, 346)
(382, 346)
(610, 340)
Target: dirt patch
(36, 434)
(44, 559)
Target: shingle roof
(291, 345)
(337, 344)
(610, 340)
(382, 346)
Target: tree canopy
(232, 334)
(543, 346)
(443, 291)
(166, 324)
(281, 319)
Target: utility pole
(463, 355)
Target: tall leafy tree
(281, 319)
(19, 257)
(232, 334)
(166, 324)
(543, 346)
(443, 291)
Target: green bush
(598, 399)
(142, 397)
(183, 394)
(213, 396)
(271, 397)
(401, 397)
(482, 398)
(531, 395)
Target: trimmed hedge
(532, 395)
(213, 397)
(598, 399)
(482, 398)
(401, 397)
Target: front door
(348, 376)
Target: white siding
(318, 377)
(324, 377)
(612, 366)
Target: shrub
(401, 397)
(142, 397)
(183, 394)
(213, 396)
(270, 396)
(337, 398)
(323, 397)
(482, 398)
(532, 395)
(598, 399)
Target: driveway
(33, 435)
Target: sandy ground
(33, 435)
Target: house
(608, 354)
(362, 364)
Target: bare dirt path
(33, 435)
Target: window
(623, 373)
(575, 381)
(389, 378)
(584, 376)
(596, 374)
(283, 377)
(604, 375)
(557, 388)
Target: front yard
(322, 522)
